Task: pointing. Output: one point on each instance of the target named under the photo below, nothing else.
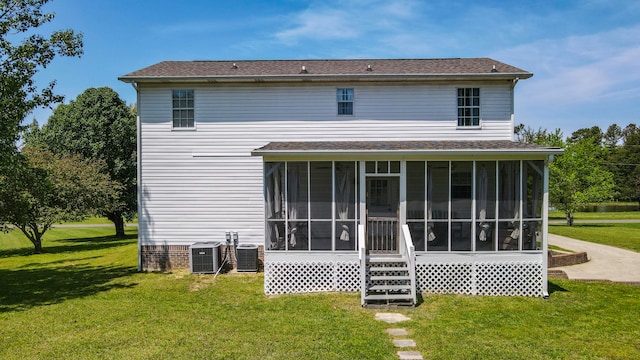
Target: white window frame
(345, 96)
(185, 105)
(468, 103)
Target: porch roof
(417, 147)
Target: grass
(578, 321)
(92, 220)
(84, 299)
(17, 243)
(99, 220)
(558, 248)
(624, 235)
(621, 215)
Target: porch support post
(402, 218)
(363, 194)
(264, 210)
(545, 228)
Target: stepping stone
(391, 318)
(410, 355)
(404, 343)
(397, 332)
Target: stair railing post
(409, 249)
(362, 253)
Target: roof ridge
(337, 60)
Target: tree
(594, 134)
(628, 164)
(613, 136)
(22, 54)
(541, 136)
(98, 125)
(577, 177)
(47, 189)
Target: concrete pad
(391, 318)
(404, 343)
(397, 332)
(410, 355)
(606, 262)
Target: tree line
(596, 165)
(82, 162)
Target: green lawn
(16, 241)
(579, 321)
(99, 220)
(621, 215)
(619, 234)
(83, 299)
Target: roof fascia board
(404, 153)
(438, 157)
(312, 77)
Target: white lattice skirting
(481, 278)
(489, 278)
(318, 276)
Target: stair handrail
(408, 250)
(362, 255)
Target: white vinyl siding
(197, 185)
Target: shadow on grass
(42, 282)
(56, 262)
(596, 225)
(555, 288)
(75, 244)
(27, 288)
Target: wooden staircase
(388, 281)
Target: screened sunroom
(475, 214)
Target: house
(389, 177)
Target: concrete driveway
(605, 262)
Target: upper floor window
(345, 101)
(468, 106)
(183, 108)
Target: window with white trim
(469, 107)
(345, 101)
(183, 109)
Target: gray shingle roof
(368, 68)
(389, 147)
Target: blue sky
(585, 54)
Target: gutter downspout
(513, 107)
(138, 173)
(545, 229)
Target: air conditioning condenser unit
(204, 257)
(247, 258)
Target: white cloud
(346, 20)
(579, 69)
(579, 81)
(319, 24)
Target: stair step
(389, 287)
(388, 268)
(389, 297)
(389, 277)
(387, 259)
